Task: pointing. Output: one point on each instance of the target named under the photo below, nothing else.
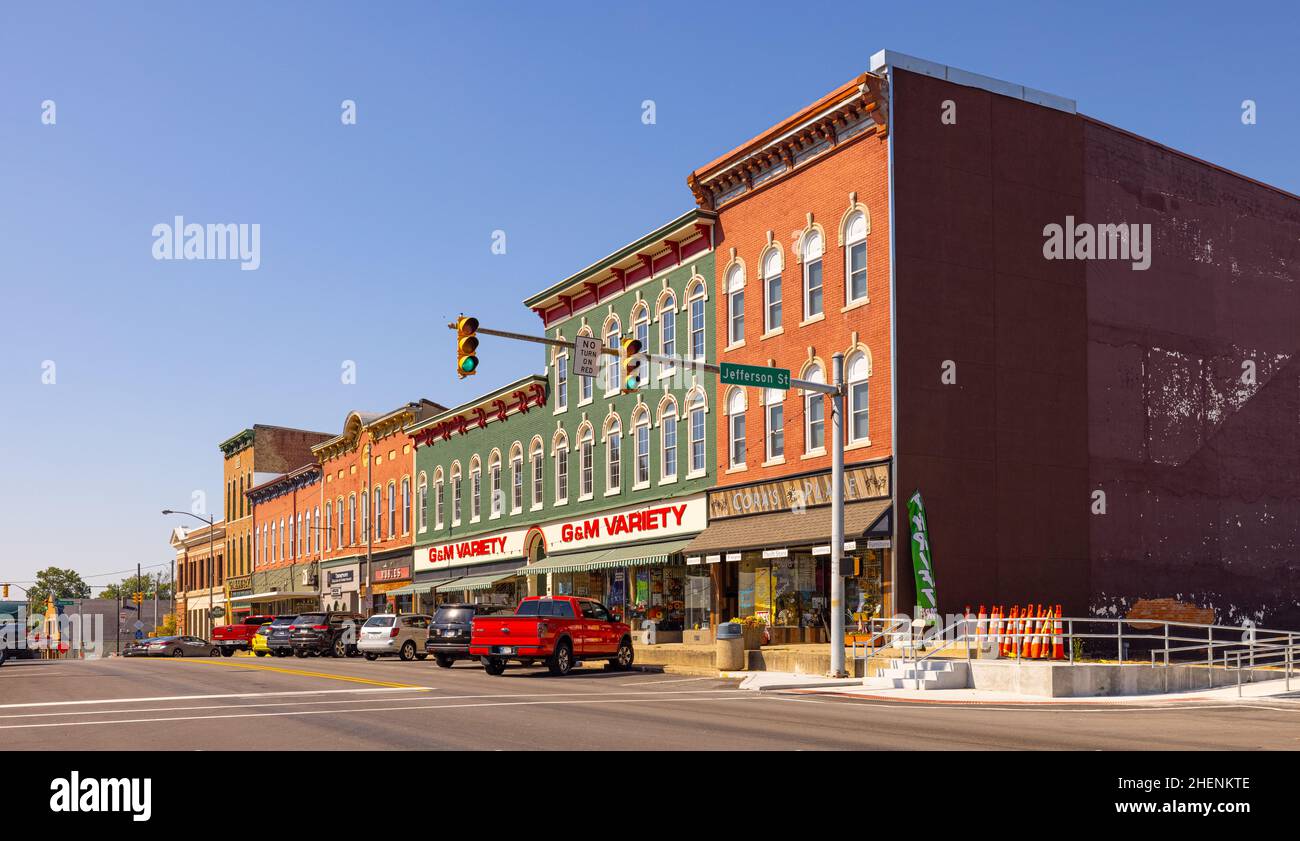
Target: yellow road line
(257, 668)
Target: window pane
(857, 271)
(775, 431)
(773, 302)
(858, 411)
(813, 280)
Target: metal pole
(837, 517)
(212, 571)
(370, 530)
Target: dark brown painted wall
(1077, 376)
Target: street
(322, 703)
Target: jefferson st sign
(758, 376)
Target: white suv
(391, 633)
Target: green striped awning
(640, 554)
(476, 582)
(412, 590)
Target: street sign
(730, 373)
(217, 612)
(586, 356)
(65, 602)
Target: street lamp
(212, 556)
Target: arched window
(379, 513)
(613, 454)
(774, 422)
(668, 440)
(772, 289)
(535, 456)
(695, 296)
(736, 427)
(561, 380)
(560, 449)
(586, 462)
(695, 410)
(495, 498)
(475, 489)
(584, 383)
(392, 510)
(735, 304)
(641, 325)
(352, 518)
(516, 478)
(282, 550)
(422, 501)
(329, 528)
(668, 325)
(641, 440)
(298, 534)
(455, 494)
(814, 413)
(613, 330)
(311, 533)
(439, 496)
(855, 258)
(812, 274)
(406, 505)
(856, 371)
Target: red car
(562, 630)
(232, 638)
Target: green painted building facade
(560, 483)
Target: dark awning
(788, 528)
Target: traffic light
(633, 362)
(466, 346)
(139, 597)
(6, 589)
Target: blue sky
(472, 117)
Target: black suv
(449, 631)
(277, 636)
(327, 633)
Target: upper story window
(422, 501)
(379, 513)
(475, 488)
(338, 517)
(329, 527)
(668, 440)
(560, 447)
(298, 535)
(612, 332)
(455, 494)
(561, 381)
(736, 428)
(668, 325)
(855, 258)
(439, 498)
(814, 413)
(641, 435)
(536, 458)
(586, 463)
(695, 410)
(812, 274)
(641, 325)
(516, 478)
(495, 499)
(392, 510)
(774, 411)
(735, 305)
(771, 290)
(695, 297)
(352, 519)
(406, 505)
(856, 371)
(613, 455)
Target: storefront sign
(664, 518)
(341, 577)
(922, 561)
(776, 553)
(712, 559)
(880, 544)
(734, 556)
(392, 574)
(868, 481)
(693, 562)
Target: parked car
(390, 633)
(562, 630)
(238, 637)
(259, 646)
(277, 638)
(178, 646)
(327, 633)
(449, 632)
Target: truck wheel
(443, 661)
(408, 651)
(372, 657)
(494, 666)
(561, 662)
(227, 651)
(623, 657)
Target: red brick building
(802, 274)
(288, 540)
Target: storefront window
(699, 596)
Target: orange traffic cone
(1036, 640)
(980, 619)
(1011, 629)
(1058, 639)
(1027, 631)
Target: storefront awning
(476, 582)
(637, 554)
(274, 597)
(788, 528)
(413, 590)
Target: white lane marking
(427, 706)
(41, 673)
(212, 697)
(1045, 708)
(674, 680)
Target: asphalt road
(320, 703)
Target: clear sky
(523, 117)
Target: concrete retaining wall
(1088, 680)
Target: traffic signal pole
(836, 392)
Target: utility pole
(836, 392)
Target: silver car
(180, 646)
(391, 633)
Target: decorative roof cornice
(633, 262)
(303, 476)
(379, 426)
(516, 398)
(856, 108)
(236, 443)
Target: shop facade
(766, 552)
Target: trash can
(730, 647)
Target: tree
(56, 583)
(146, 584)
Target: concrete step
(948, 676)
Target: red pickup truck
(232, 638)
(562, 630)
